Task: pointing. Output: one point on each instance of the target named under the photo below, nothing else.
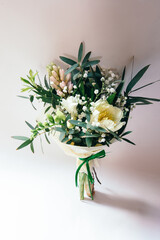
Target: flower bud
(53, 79)
(61, 74)
(59, 93)
(62, 84)
(70, 86)
(55, 75)
(68, 77)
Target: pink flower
(53, 80)
(61, 73)
(62, 84)
(59, 93)
(68, 77)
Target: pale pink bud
(55, 68)
(59, 93)
(68, 77)
(54, 80)
(70, 86)
(61, 73)
(54, 86)
(62, 84)
(55, 75)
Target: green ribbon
(86, 160)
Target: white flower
(91, 108)
(83, 98)
(70, 136)
(77, 128)
(110, 79)
(85, 75)
(75, 87)
(84, 130)
(96, 91)
(112, 90)
(102, 79)
(70, 104)
(107, 82)
(103, 140)
(103, 135)
(84, 108)
(107, 116)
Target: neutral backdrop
(38, 199)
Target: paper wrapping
(80, 152)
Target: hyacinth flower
(59, 81)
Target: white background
(38, 199)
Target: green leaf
(137, 77)
(98, 129)
(59, 129)
(71, 68)
(89, 142)
(80, 52)
(20, 138)
(90, 63)
(29, 125)
(126, 133)
(46, 83)
(85, 59)
(32, 147)
(127, 140)
(46, 138)
(31, 98)
(120, 86)
(114, 135)
(50, 118)
(76, 140)
(67, 60)
(110, 99)
(146, 98)
(61, 136)
(25, 80)
(47, 109)
(25, 89)
(144, 86)
(88, 116)
(22, 97)
(78, 123)
(26, 143)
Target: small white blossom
(103, 140)
(85, 75)
(84, 130)
(102, 79)
(77, 128)
(83, 98)
(65, 89)
(106, 82)
(80, 102)
(92, 103)
(118, 100)
(96, 91)
(97, 124)
(103, 135)
(91, 108)
(75, 87)
(113, 75)
(84, 108)
(112, 90)
(70, 136)
(108, 90)
(110, 79)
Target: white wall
(38, 199)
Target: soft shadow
(126, 203)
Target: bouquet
(86, 108)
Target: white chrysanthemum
(107, 116)
(70, 104)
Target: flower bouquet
(86, 108)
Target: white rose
(108, 116)
(70, 104)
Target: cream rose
(106, 116)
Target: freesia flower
(108, 116)
(70, 104)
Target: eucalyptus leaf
(89, 142)
(26, 143)
(29, 125)
(71, 68)
(67, 60)
(85, 59)
(78, 123)
(20, 138)
(59, 129)
(80, 52)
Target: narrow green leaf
(144, 86)
(25, 89)
(67, 60)
(32, 147)
(46, 138)
(47, 109)
(137, 77)
(124, 72)
(114, 135)
(127, 140)
(46, 83)
(126, 133)
(80, 52)
(29, 125)
(59, 129)
(25, 80)
(22, 97)
(27, 142)
(20, 138)
(31, 98)
(71, 68)
(50, 118)
(145, 98)
(85, 59)
(78, 123)
(90, 63)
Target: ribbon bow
(86, 160)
